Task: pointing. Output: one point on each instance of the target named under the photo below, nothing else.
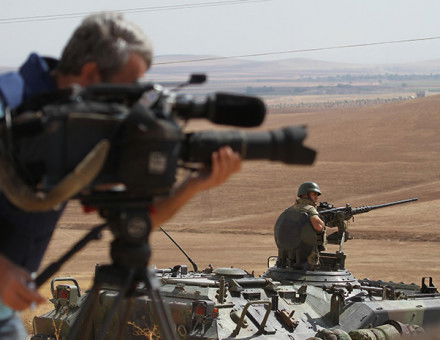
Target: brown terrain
(369, 155)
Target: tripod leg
(167, 327)
(124, 319)
(82, 326)
(116, 306)
(94, 234)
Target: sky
(232, 27)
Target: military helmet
(307, 187)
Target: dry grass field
(313, 99)
(366, 156)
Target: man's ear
(90, 74)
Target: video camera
(141, 124)
(116, 148)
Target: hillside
(366, 156)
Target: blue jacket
(24, 236)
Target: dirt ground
(371, 155)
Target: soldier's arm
(317, 223)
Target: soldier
(299, 231)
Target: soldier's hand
(14, 289)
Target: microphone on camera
(223, 108)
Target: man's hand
(225, 162)
(14, 290)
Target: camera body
(143, 156)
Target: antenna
(183, 251)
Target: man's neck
(302, 200)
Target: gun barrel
(364, 209)
(367, 208)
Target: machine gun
(337, 217)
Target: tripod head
(131, 228)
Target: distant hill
(422, 67)
(293, 67)
(180, 65)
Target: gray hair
(107, 39)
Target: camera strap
(25, 198)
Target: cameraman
(104, 48)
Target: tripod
(130, 253)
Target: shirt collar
(36, 73)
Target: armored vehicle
(325, 302)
